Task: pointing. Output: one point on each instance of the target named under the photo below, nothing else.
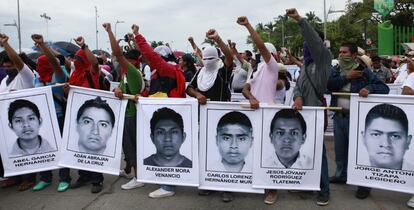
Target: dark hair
(97, 103)
(286, 77)
(61, 59)
(387, 111)
(4, 57)
(248, 53)
(375, 58)
(31, 64)
(234, 117)
(353, 48)
(189, 62)
(166, 114)
(100, 60)
(288, 114)
(132, 54)
(21, 103)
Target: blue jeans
(341, 139)
(324, 173)
(169, 188)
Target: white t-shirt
(409, 82)
(402, 74)
(263, 84)
(23, 80)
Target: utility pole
(47, 18)
(18, 27)
(96, 26)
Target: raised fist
(243, 20)
(3, 38)
(107, 26)
(80, 41)
(135, 29)
(212, 34)
(293, 13)
(37, 38)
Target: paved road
(113, 197)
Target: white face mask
(210, 64)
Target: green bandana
(347, 64)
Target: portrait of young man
(234, 139)
(167, 135)
(287, 135)
(94, 124)
(25, 121)
(386, 137)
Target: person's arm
(256, 38)
(294, 59)
(197, 50)
(254, 103)
(163, 68)
(38, 39)
(132, 39)
(228, 60)
(375, 85)
(116, 50)
(315, 43)
(89, 55)
(195, 94)
(236, 52)
(14, 57)
(407, 91)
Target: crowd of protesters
(206, 74)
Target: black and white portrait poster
(289, 153)
(30, 135)
(227, 135)
(167, 145)
(381, 154)
(92, 135)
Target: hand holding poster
(290, 152)
(380, 151)
(92, 136)
(227, 135)
(29, 131)
(167, 147)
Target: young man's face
(386, 142)
(94, 128)
(234, 142)
(25, 124)
(345, 52)
(167, 138)
(287, 137)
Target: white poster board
(29, 131)
(381, 154)
(227, 135)
(167, 141)
(289, 155)
(92, 135)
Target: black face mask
(11, 73)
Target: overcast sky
(160, 20)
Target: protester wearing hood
(87, 72)
(19, 76)
(50, 73)
(167, 78)
(131, 83)
(211, 81)
(349, 77)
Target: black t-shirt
(220, 91)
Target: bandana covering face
(347, 64)
(208, 74)
(82, 66)
(44, 69)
